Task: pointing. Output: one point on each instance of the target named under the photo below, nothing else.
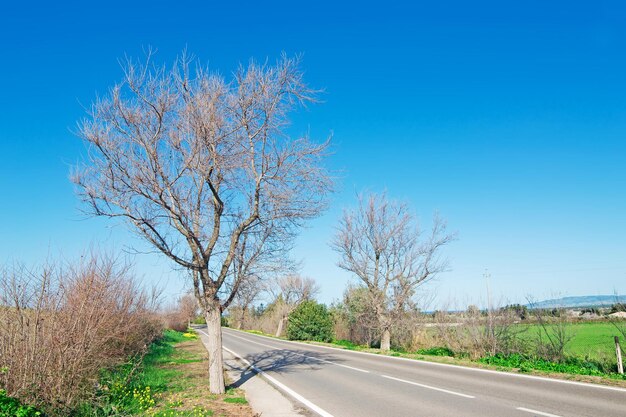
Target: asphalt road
(343, 383)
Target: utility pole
(487, 277)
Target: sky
(508, 118)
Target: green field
(590, 340)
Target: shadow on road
(283, 361)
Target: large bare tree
(205, 171)
(381, 244)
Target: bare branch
(203, 169)
(380, 244)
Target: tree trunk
(242, 318)
(384, 324)
(385, 340)
(281, 324)
(216, 361)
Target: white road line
(283, 387)
(302, 354)
(540, 413)
(429, 387)
(278, 384)
(463, 368)
(349, 367)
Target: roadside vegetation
(512, 338)
(87, 340)
(61, 325)
(310, 321)
(205, 170)
(171, 380)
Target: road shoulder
(264, 399)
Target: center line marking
(541, 413)
(428, 387)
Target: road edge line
(278, 384)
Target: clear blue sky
(508, 119)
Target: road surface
(343, 383)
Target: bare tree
(289, 292)
(188, 308)
(249, 292)
(380, 243)
(359, 314)
(203, 169)
(554, 333)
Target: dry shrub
(173, 320)
(269, 321)
(180, 316)
(555, 333)
(60, 326)
(477, 333)
(355, 318)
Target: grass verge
(170, 381)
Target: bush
(180, 316)
(310, 321)
(59, 327)
(436, 351)
(528, 363)
(617, 307)
(11, 407)
(519, 310)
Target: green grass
(170, 380)
(11, 407)
(436, 351)
(346, 344)
(591, 340)
(134, 388)
(573, 365)
(235, 400)
(195, 412)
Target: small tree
(289, 292)
(248, 292)
(310, 321)
(188, 308)
(380, 243)
(554, 333)
(520, 311)
(618, 307)
(359, 314)
(203, 169)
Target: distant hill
(580, 301)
